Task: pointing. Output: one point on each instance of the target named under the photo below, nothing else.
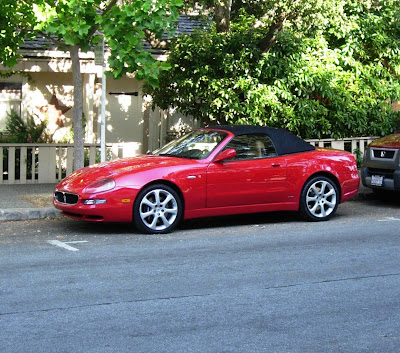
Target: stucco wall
(129, 116)
(124, 113)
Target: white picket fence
(49, 163)
(353, 144)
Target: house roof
(185, 25)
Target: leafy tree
(73, 25)
(318, 68)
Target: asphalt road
(260, 283)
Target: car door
(257, 175)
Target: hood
(117, 169)
(391, 141)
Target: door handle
(276, 165)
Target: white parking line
(65, 245)
(389, 219)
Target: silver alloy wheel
(321, 199)
(158, 209)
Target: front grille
(383, 154)
(66, 197)
(388, 173)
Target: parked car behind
(381, 166)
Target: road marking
(65, 245)
(389, 219)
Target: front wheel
(157, 209)
(319, 199)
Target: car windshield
(194, 145)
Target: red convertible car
(216, 171)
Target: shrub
(19, 131)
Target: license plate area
(377, 180)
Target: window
(252, 147)
(10, 99)
(195, 145)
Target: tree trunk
(78, 108)
(222, 11)
(268, 41)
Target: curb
(23, 214)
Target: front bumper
(118, 205)
(381, 168)
(390, 181)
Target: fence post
(354, 145)
(23, 161)
(338, 144)
(92, 155)
(1, 165)
(47, 165)
(70, 160)
(11, 165)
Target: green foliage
(359, 157)
(18, 131)
(126, 41)
(125, 27)
(76, 22)
(75, 25)
(70, 21)
(335, 81)
(17, 19)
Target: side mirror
(230, 153)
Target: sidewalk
(35, 201)
(27, 201)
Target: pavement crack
(334, 280)
(104, 304)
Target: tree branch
(268, 41)
(107, 9)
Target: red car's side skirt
(232, 210)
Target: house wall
(48, 94)
(10, 98)
(124, 113)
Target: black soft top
(285, 142)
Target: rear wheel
(319, 199)
(157, 209)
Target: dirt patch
(40, 200)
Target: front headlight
(100, 186)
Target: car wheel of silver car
(319, 199)
(157, 209)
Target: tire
(319, 199)
(157, 209)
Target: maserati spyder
(216, 171)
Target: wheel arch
(164, 182)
